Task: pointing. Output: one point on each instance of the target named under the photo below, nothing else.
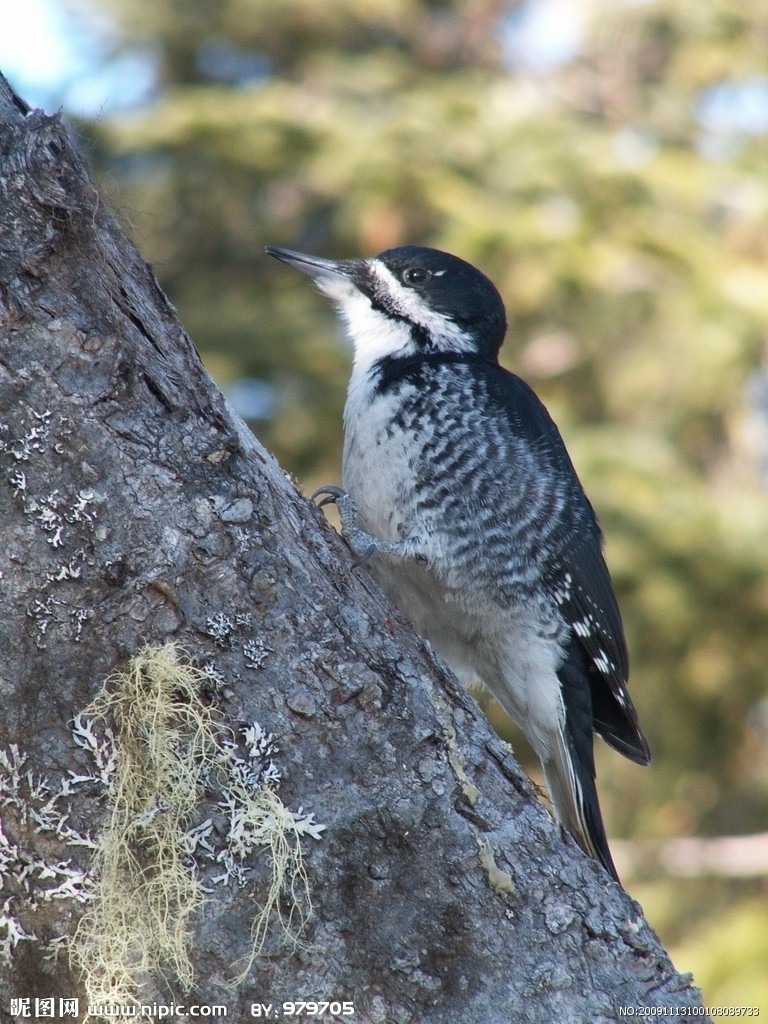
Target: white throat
(376, 334)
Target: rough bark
(137, 508)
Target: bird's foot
(361, 544)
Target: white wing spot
(585, 627)
(603, 663)
(562, 593)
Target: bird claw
(360, 543)
(332, 495)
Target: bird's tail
(570, 777)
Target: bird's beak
(331, 276)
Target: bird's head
(409, 301)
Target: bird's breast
(379, 466)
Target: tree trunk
(425, 881)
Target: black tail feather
(573, 787)
(616, 723)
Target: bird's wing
(575, 573)
(584, 594)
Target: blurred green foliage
(627, 228)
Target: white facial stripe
(409, 304)
(374, 333)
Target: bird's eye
(416, 275)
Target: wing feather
(576, 575)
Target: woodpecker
(461, 496)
